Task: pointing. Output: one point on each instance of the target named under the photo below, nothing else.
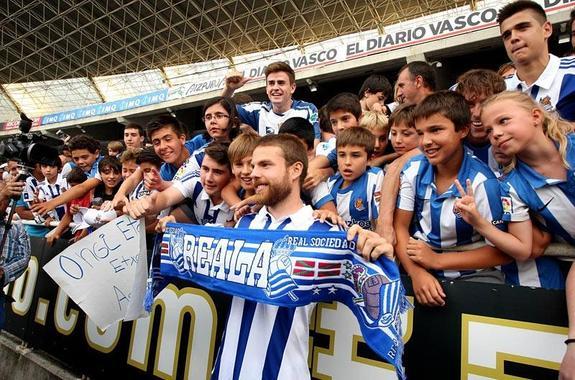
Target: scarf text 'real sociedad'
(292, 268)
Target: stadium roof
(60, 54)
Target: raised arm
(69, 195)
(154, 203)
(234, 80)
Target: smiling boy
(266, 117)
(425, 207)
(356, 187)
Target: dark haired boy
(52, 186)
(85, 152)
(204, 201)
(110, 170)
(148, 162)
(344, 111)
(525, 31)
(134, 136)
(75, 177)
(356, 187)
(319, 197)
(373, 93)
(266, 117)
(425, 207)
(476, 86)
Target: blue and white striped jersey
(30, 189)
(191, 167)
(264, 341)
(261, 117)
(139, 191)
(553, 203)
(93, 173)
(555, 87)
(481, 152)
(320, 195)
(359, 202)
(167, 171)
(204, 210)
(324, 147)
(435, 220)
(48, 191)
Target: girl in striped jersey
(541, 182)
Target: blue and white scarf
(292, 268)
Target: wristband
(570, 340)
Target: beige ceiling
(62, 39)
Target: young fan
(355, 188)
(538, 183)
(425, 208)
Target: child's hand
(330, 216)
(153, 180)
(314, 177)
(161, 226)
(74, 209)
(44, 207)
(466, 205)
(51, 238)
(249, 201)
(239, 212)
(420, 253)
(140, 207)
(369, 244)
(427, 289)
(117, 201)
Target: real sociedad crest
(176, 247)
(373, 306)
(280, 281)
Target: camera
(30, 148)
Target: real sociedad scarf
(292, 268)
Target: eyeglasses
(217, 116)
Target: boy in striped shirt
(356, 186)
(427, 197)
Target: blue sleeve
(322, 201)
(314, 120)
(332, 157)
(250, 117)
(165, 172)
(566, 102)
(493, 191)
(196, 143)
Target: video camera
(30, 148)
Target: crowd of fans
(470, 183)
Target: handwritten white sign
(105, 273)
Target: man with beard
(264, 341)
